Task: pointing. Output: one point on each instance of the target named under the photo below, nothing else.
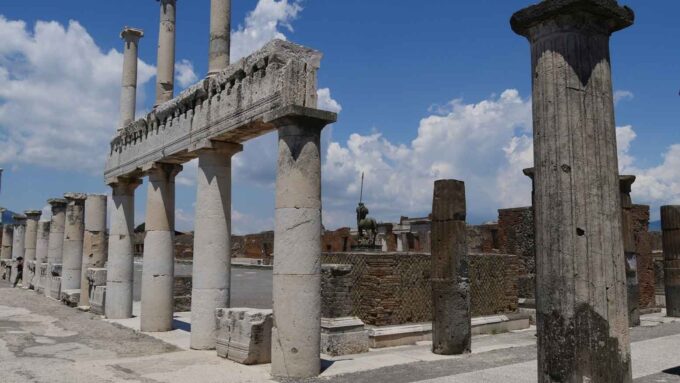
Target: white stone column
(41, 249)
(56, 241)
(94, 242)
(165, 77)
(18, 246)
(73, 241)
(30, 268)
(297, 252)
(158, 273)
(212, 242)
(7, 239)
(128, 96)
(120, 269)
(220, 38)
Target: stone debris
(244, 335)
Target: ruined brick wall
(516, 236)
(184, 246)
(182, 293)
(482, 238)
(645, 258)
(394, 288)
(336, 289)
(337, 241)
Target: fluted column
(582, 319)
(165, 77)
(212, 242)
(73, 241)
(120, 269)
(220, 38)
(7, 239)
(94, 242)
(18, 246)
(128, 96)
(670, 225)
(630, 250)
(158, 273)
(41, 250)
(30, 265)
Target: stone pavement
(43, 341)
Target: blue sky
(439, 89)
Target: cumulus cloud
(59, 95)
(184, 73)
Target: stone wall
(516, 236)
(482, 238)
(337, 241)
(645, 258)
(394, 288)
(182, 293)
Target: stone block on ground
(96, 276)
(70, 297)
(43, 278)
(343, 336)
(244, 335)
(54, 288)
(98, 300)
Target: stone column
(212, 242)
(158, 272)
(120, 273)
(128, 96)
(630, 251)
(165, 77)
(452, 321)
(94, 242)
(30, 265)
(582, 319)
(220, 35)
(56, 239)
(41, 249)
(7, 239)
(670, 224)
(73, 241)
(18, 246)
(297, 252)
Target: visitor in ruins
(20, 271)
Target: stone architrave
(74, 230)
(630, 250)
(41, 250)
(582, 316)
(32, 218)
(165, 78)
(451, 320)
(670, 225)
(128, 96)
(18, 246)
(244, 335)
(220, 35)
(94, 242)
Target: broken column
(56, 247)
(30, 268)
(94, 242)
(212, 242)
(18, 246)
(244, 335)
(128, 96)
(582, 319)
(630, 251)
(220, 39)
(297, 251)
(6, 252)
(158, 272)
(451, 322)
(41, 249)
(120, 269)
(72, 262)
(165, 77)
(670, 225)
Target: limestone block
(343, 336)
(70, 297)
(43, 277)
(96, 276)
(55, 288)
(98, 300)
(244, 335)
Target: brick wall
(340, 240)
(482, 238)
(182, 293)
(336, 289)
(516, 236)
(645, 258)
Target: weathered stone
(128, 96)
(670, 225)
(43, 282)
(54, 290)
(70, 297)
(343, 336)
(94, 243)
(41, 251)
(220, 35)
(56, 241)
(18, 246)
(96, 276)
(7, 239)
(165, 77)
(582, 317)
(32, 217)
(74, 229)
(98, 300)
(630, 250)
(244, 335)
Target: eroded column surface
(670, 225)
(212, 242)
(297, 249)
(158, 273)
(41, 250)
(94, 242)
(120, 268)
(220, 39)
(32, 218)
(73, 241)
(451, 324)
(128, 96)
(56, 239)
(165, 78)
(630, 250)
(18, 245)
(582, 316)
(7, 239)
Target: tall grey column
(30, 265)
(212, 242)
(220, 38)
(18, 246)
(94, 242)
(297, 251)
(120, 268)
(128, 96)
(452, 321)
(582, 319)
(158, 273)
(670, 224)
(73, 241)
(7, 239)
(165, 77)
(630, 250)
(56, 241)
(41, 249)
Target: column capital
(130, 34)
(228, 148)
(124, 185)
(57, 203)
(19, 219)
(626, 182)
(75, 197)
(171, 170)
(33, 215)
(300, 115)
(163, 2)
(607, 14)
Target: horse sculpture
(368, 227)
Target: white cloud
(59, 96)
(622, 95)
(184, 73)
(326, 102)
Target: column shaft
(128, 97)
(212, 243)
(7, 239)
(158, 273)
(630, 251)
(18, 246)
(73, 241)
(670, 224)
(297, 253)
(220, 39)
(94, 242)
(32, 217)
(120, 269)
(582, 319)
(56, 241)
(165, 78)
(41, 250)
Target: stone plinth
(54, 281)
(98, 300)
(343, 336)
(581, 313)
(72, 257)
(244, 335)
(96, 282)
(670, 224)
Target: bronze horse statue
(366, 225)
